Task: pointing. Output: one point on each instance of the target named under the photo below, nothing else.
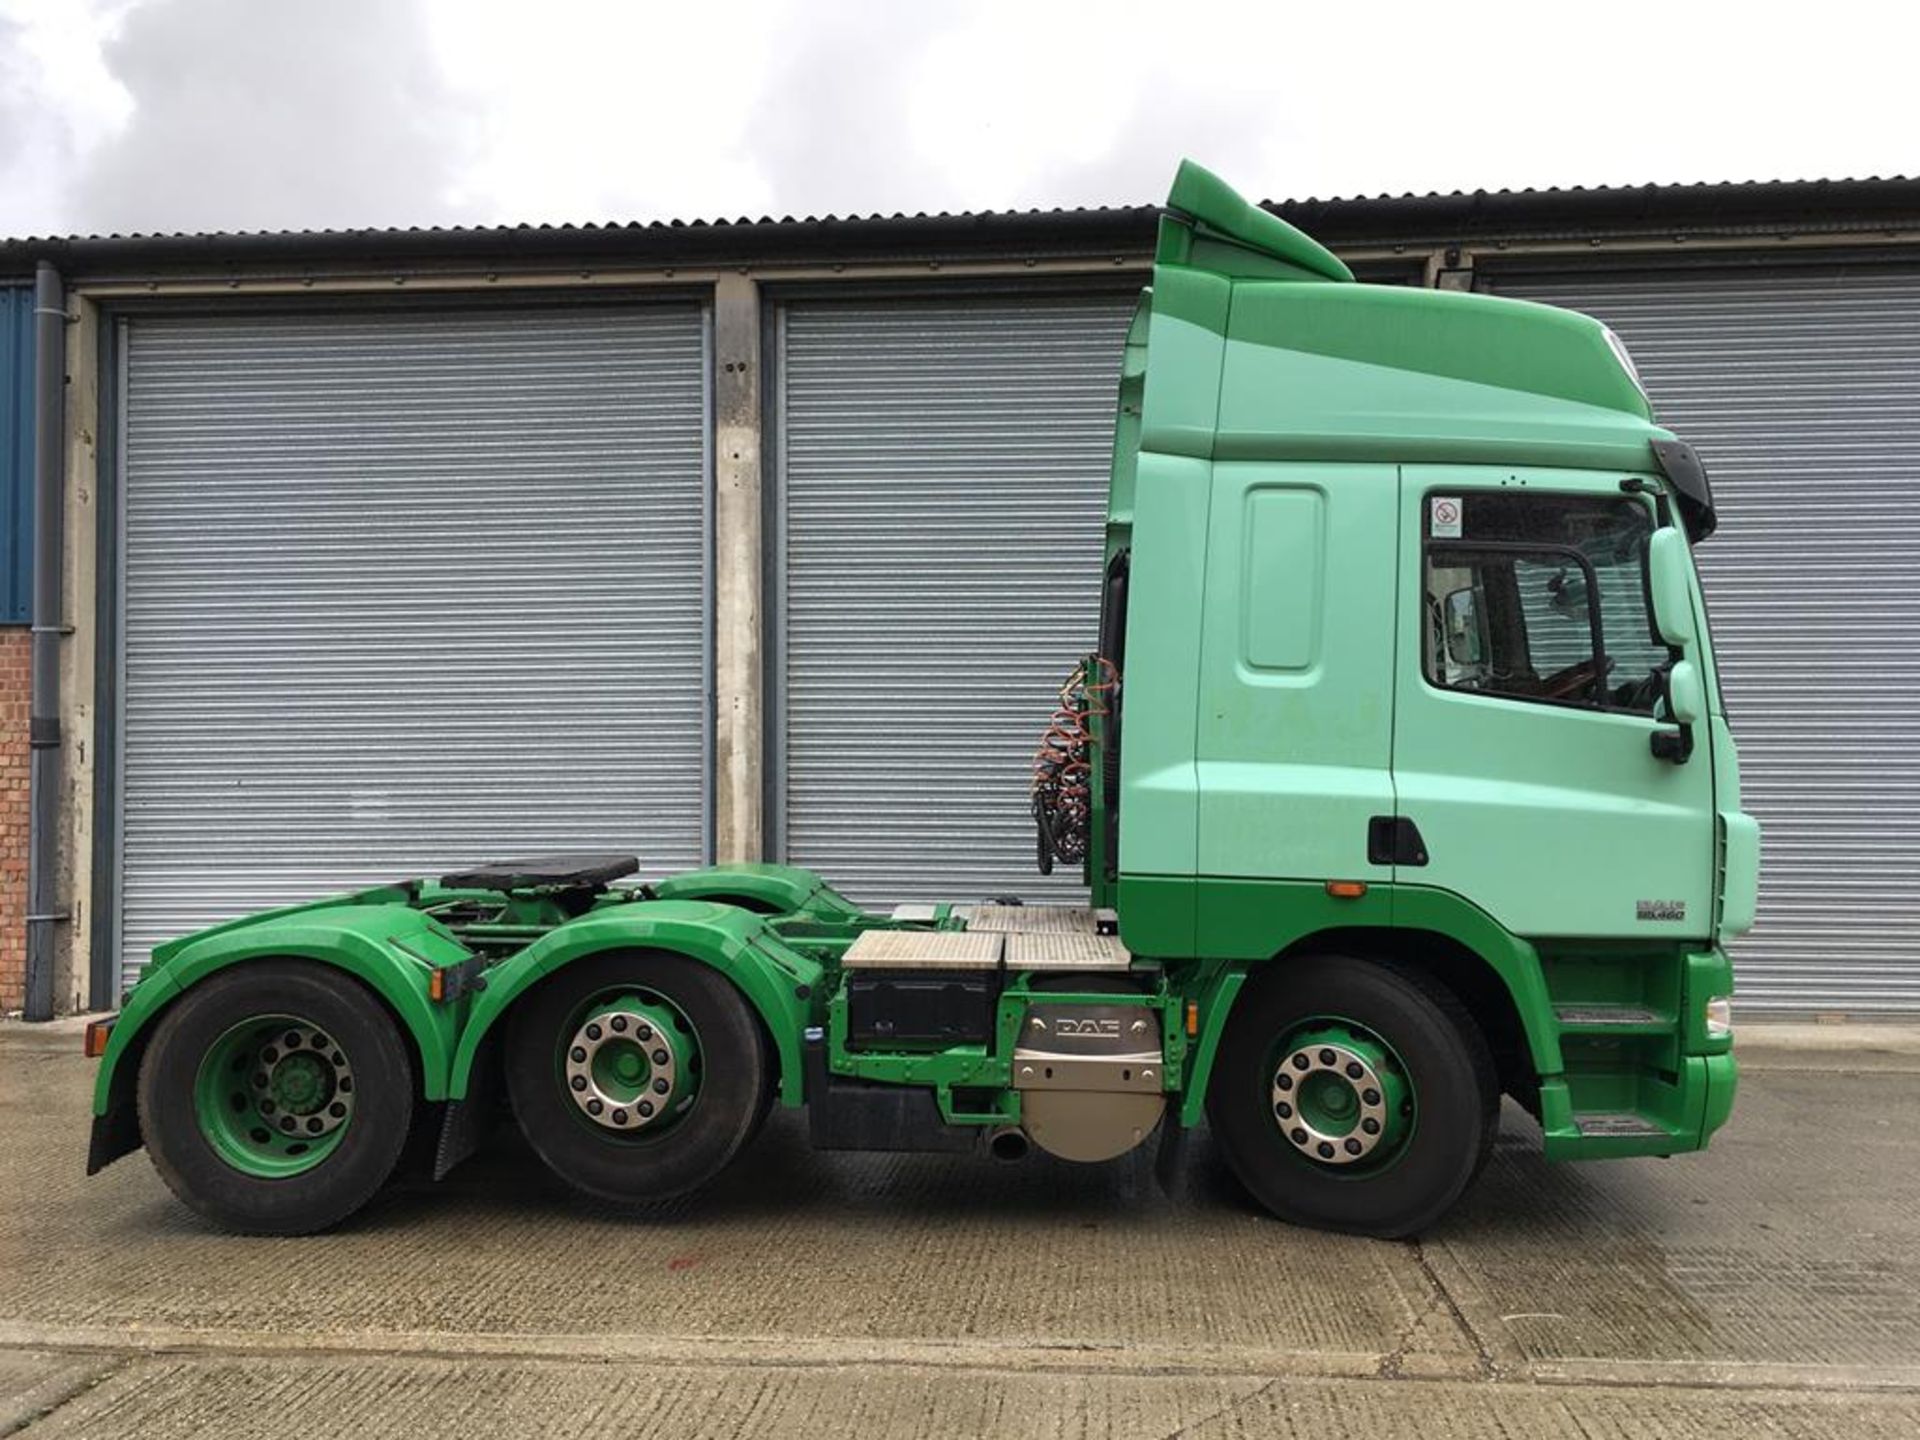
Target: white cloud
(153, 114)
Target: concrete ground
(1769, 1287)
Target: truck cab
(1404, 586)
(1399, 780)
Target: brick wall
(15, 680)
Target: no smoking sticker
(1445, 517)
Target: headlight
(1719, 1017)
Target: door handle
(1394, 840)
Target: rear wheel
(637, 1077)
(276, 1097)
(1353, 1095)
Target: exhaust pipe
(1008, 1143)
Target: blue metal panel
(16, 454)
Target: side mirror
(1668, 567)
(1685, 699)
(1460, 611)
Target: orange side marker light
(1346, 889)
(96, 1037)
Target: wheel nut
(1354, 1072)
(269, 1054)
(1283, 1110)
(1353, 1147)
(579, 1082)
(313, 1126)
(643, 1034)
(1299, 1136)
(1370, 1096)
(645, 1107)
(619, 1022)
(619, 1117)
(266, 1107)
(286, 1122)
(1326, 1057)
(291, 1039)
(1283, 1081)
(594, 1107)
(1326, 1151)
(578, 1054)
(594, 1032)
(320, 1042)
(659, 1057)
(660, 1087)
(1371, 1126)
(1300, 1061)
(337, 1110)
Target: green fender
(781, 985)
(1248, 923)
(390, 948)
(783, 889)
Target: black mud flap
(848, 1114)
(465, 1123)
(115, 1133)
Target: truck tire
(276, 1097)
(1353, 1094)
(637, 1077)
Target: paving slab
(1793, 1241)
(34, 1382)
(200, 1398)
(1788, 1257)
(789, 1243)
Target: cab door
(1295, 705)
(1529, 695)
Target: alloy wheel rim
(631, 1066)
(1340, 1096)
(274, 1096)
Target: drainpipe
(43, 722)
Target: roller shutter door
(1802, 390)
(403, 591)
(944, 471)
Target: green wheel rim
(274, 1096)
(630, 1064)
(1341, 1097)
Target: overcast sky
(143, 115)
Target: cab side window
(1542, 597)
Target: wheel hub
(625, 1068)
(1335, 1098)
(302, 1084)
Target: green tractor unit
(1400, 781)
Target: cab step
(1617, 1125)
(1588, 1019)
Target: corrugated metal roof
(1435, 217)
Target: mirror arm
(1674, 746)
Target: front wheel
(276, 1097)
(1353, 1095)
(637, 1077)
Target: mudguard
(772, 889)
(780, 984)
(373, 937)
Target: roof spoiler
(1680, 463)
(1214, 209)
